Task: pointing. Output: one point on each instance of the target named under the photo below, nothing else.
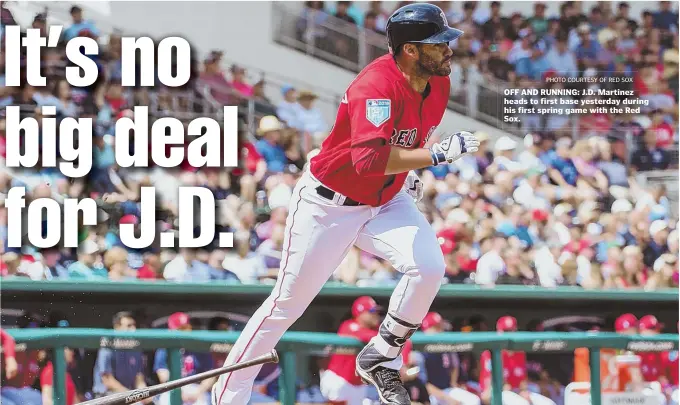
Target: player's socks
(379, 362)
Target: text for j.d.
(73, 156)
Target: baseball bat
(132, 396)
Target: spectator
(88, 265)
(440, 371)
(561, 168)
(151, 269)
(663, 130)
(495, 21)
(538, 22)
(288, 107)
(217, 272)
(491, 264)
(533, 66)
(12, 395)
(185, 267)
(119, 370)
(341, 12)
(649, 156)
(308, 117)
(270, 145)
(381, 16)
(271, 251)
(504, 149)
(562, 60)
(212, 78)
(587, 50)
(339, 383)
(80, 27)
(238, 75)
(665, 19)
(116, 263)
(516, 388)
(192, 363)
(654, 365)
(47, 382)
(248, 266)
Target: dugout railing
(293, 343)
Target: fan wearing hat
(309, 118)
(504, 149)
(192, 363)
(515, 376)
(440, 371)
(651, 363)
(339, 383)
(269, 146)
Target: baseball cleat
(387, 381)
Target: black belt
(329, 194)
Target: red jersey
(651, 365)
(670, 363)
(379, 105)
(514, 369)
(46, 378)
(344, 364)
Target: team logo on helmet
(443, 16)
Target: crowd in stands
(561, 212)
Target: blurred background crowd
(555, 202)
(545, 209)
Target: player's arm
(9, 350)
(373, 108)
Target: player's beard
(427, 65)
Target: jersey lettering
(404, 138)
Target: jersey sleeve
(485, 371)
(8, 344)
(372, 109)
(352, 329)
(46, 375)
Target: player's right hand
(452, 147)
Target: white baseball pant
(318, 235)
(464, 397)
(513, 398)
(337, 389)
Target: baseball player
(515, 389)
(339, 383)
(352, 194)
(440, 371)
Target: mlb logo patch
(378, 111)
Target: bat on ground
(132, 396)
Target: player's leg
(318, 235)
(400, 233)
(538, 399)
(513, 398)
(464, 397)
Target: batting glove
(413, 186)
(452, 147)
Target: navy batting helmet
(420, 23)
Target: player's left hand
(413, 186)
(452, 147)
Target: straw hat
(269, 123)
